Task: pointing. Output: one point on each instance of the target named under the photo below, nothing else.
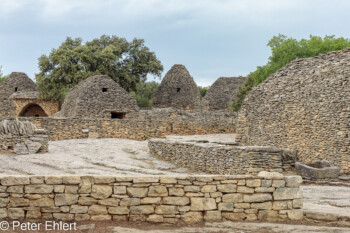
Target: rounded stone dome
(304, 106)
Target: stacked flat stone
(165, 199)
(216, 158)
(177, 90)
(22, 137)
(16, 82)
(142, 125)
(303, 106)
(97, 97)
(222, 93)
(28, 104)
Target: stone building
(28, 104)
(222, 93)
(98, 97)
(177, 90)
(16, 82)
(303, 106)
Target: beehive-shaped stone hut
(98, 97)
(177, 90)
(222, 93)
(304, 106)
(16, 82)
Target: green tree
(203, 90)
(2, 78)
(285, 50)
(127, 63)
(144, 93)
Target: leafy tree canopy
(285, 50)
(125, 62)
(144, 93)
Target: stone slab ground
(327, 203)
(97, 156)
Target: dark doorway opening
(16, 89)
(33, 110)
(178, 89)
(117, 115)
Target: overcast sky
(212, 38)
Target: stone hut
(16, 82)
(28, 104)
(98, 97)
(305, 107)
(177, 90)
(222, 93)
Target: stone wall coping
(141, 179)
(200, 143)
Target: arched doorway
(32, 110)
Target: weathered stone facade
(177, 90)
(22, 137)
(222, 93)
(303, 106)
(163, 199)
(220, 158)
(16, 82)
(98, 97)
(28, 104)
(142, 125)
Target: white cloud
(139, 10)
(9, 6)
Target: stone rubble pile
(21, 137)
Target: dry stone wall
(187, 122)
(218, 158)
(21, 137)
(29, 104)
(303, 106)
(140, 125)
(153, 199)
(76, 128)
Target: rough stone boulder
(21, 137)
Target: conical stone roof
(97, 97)
(222, 93)
(177, 90)
(15, 82)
